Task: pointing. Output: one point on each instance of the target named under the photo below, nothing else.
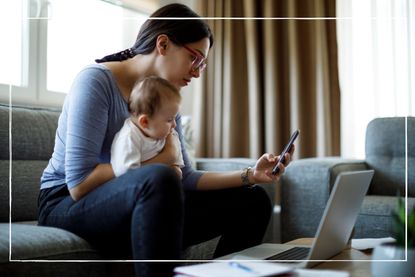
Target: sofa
(47, 251)
(307, 183)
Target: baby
(153, 105)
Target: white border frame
(205, 18)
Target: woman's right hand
(170, 150)
(167, 155)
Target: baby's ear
(142, 121)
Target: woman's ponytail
(117, 57)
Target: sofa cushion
(33, 132)
(24, 186)
(42, 243)
(33, 242)
(375, 217)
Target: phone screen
(287, 148)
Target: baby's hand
(178, 171)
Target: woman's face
(178, 64)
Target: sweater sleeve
(87, 120)
(179, 159)
(190, 175)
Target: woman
(148, 212)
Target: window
(79, 31)
(11, 54)
(50, 41)
(376, 48)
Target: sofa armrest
(225, 164)
(305, 189)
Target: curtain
(267, 77)
(376, 42)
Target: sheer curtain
(376, 44)
(267, 77)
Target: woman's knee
(159, 179)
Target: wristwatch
(245, 176)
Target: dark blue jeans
(145, 214)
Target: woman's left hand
(262, 172)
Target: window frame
(26, 92)
(33, 90)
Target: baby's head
(154, 104)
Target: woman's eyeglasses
(199, 63)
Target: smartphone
(287, 148)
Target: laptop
(334, 230)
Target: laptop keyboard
(296, 253)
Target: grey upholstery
(385, 153)
(32, 140)
(306, 186)
(49, 243)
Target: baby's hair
(146, 96)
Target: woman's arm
(260, 173)
(87, 123)
(219, 180)
(99, 175)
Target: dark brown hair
(180, 31)
(146, 96)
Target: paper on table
(226, 269)
(363, 244)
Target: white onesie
(130, 147)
